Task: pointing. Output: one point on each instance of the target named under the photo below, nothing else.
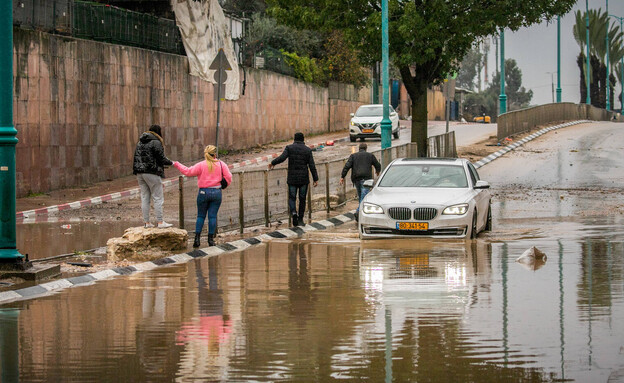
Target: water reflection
(313, 311)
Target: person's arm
(227, 174)
(315, 176)
(282, 157)
(193, 171)
(346, 168)
(159, 154)
(376, 164)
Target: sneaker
(148, 225)
(294, 220)
(164, 225)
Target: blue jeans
(208, 202)
(302, 190)
(361, 192)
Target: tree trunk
(417, 90)
(594, 86)
(419, 119)
(580, 61)
(603, 86)
(612, 83)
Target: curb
(30, 216)
(51, 287)
(48, 288)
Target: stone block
(141, 244)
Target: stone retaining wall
(80, 106)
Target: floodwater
(330, 308)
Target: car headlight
(352, 123)
(460, 209)
(369, 208)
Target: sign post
(220, 64)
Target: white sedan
(366, 122)
(426, 197)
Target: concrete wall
(526, 119)
(436, 106)
(80, 106)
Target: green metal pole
(587, 69)
(8, 139)
(608, 104)
(386, 124)
(558, 58)
(502, 97)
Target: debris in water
(532, 258)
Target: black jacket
(360, 164)
(299, 160)
(149, 156)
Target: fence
(520, 121)
(259, 197)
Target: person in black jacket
(300, 159)
(149, 167)
(361, 164)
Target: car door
(482, 198)
(394, 118)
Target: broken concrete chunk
(144, 244)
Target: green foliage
(306, 68)
(266, 32)
(244, 7)
(342, 63)
(486, 102)
(468, 68)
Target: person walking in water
(361, 164)
(209, 175)
(149, 167)
(300, 163)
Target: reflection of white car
(366, 122)
(427, 197)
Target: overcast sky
(535, 51)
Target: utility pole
(502, 97)
(587, 68)
(558, 58)
(386, 124)
(608, 104)
(8, 140)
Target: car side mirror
(352, 114)
(368, 184)
(482, 185)
(393, 114)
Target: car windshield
(425, 176)
(371, 111)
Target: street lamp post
(502, 97)
(8, 140)
(386, 124)
(587, 73)
(608, 104)
(558, 58)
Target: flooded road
(328, 307)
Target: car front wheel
(352, 139)
(488, 223)
(397, 133)
(473, 228)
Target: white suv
(366, 122)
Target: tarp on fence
(204, 31)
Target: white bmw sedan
(426, 197)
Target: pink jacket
(205, 177)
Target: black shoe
(211, 241)
(295, 221)
(196, 242)
(300, 222)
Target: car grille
(425, 213)
(368, 126)
(400, 213)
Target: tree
(468, 68)
(243, 7)
(486, 102)
(428, 38)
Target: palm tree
(598, 25)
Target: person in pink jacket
(209, 174)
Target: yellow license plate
(368, 130)
(412, 226)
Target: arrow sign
(220, 64)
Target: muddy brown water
(329, 307)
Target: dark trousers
(293, 190)
(208, 203)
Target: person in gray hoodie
(149, 167)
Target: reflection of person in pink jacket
(209, 175)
